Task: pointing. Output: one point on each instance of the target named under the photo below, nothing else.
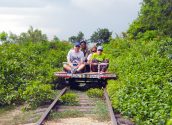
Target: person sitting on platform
(84, 49)
(93, 50)
(99, 57)
(75, 60)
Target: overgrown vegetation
(69, 98)
(26, 71)
(154, 20)
(143, 90)
(95, 93)
(142, 61)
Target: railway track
(45, 114)
(85, 106)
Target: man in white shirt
(75, 59)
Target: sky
(65, 18)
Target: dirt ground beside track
(77, 121)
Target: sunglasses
(100, 50)
(93, 51)
(77, 46)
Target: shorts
(75, 64)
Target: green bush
(8, 95)
(148, 35)
(36, 93)
(95, 93)
(169, 122)
(142, 91)
(69, 99)
(23, 65)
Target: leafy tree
(3, 36)
(32, 36)
(155, 15)
(72, 39)
(8, 38)
(101, 36)
(13, 38)
(79, 37)
(55, 38)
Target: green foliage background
(102, 35)
(27, 69)
(143, 89)
(155, 17)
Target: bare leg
(67, 67)
(81, 67)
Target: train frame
(87, 77)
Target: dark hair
(83, 41)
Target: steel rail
(43, 117)
(113, 119)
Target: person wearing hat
(99, 57)
(75, 59)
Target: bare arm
(68, 59)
